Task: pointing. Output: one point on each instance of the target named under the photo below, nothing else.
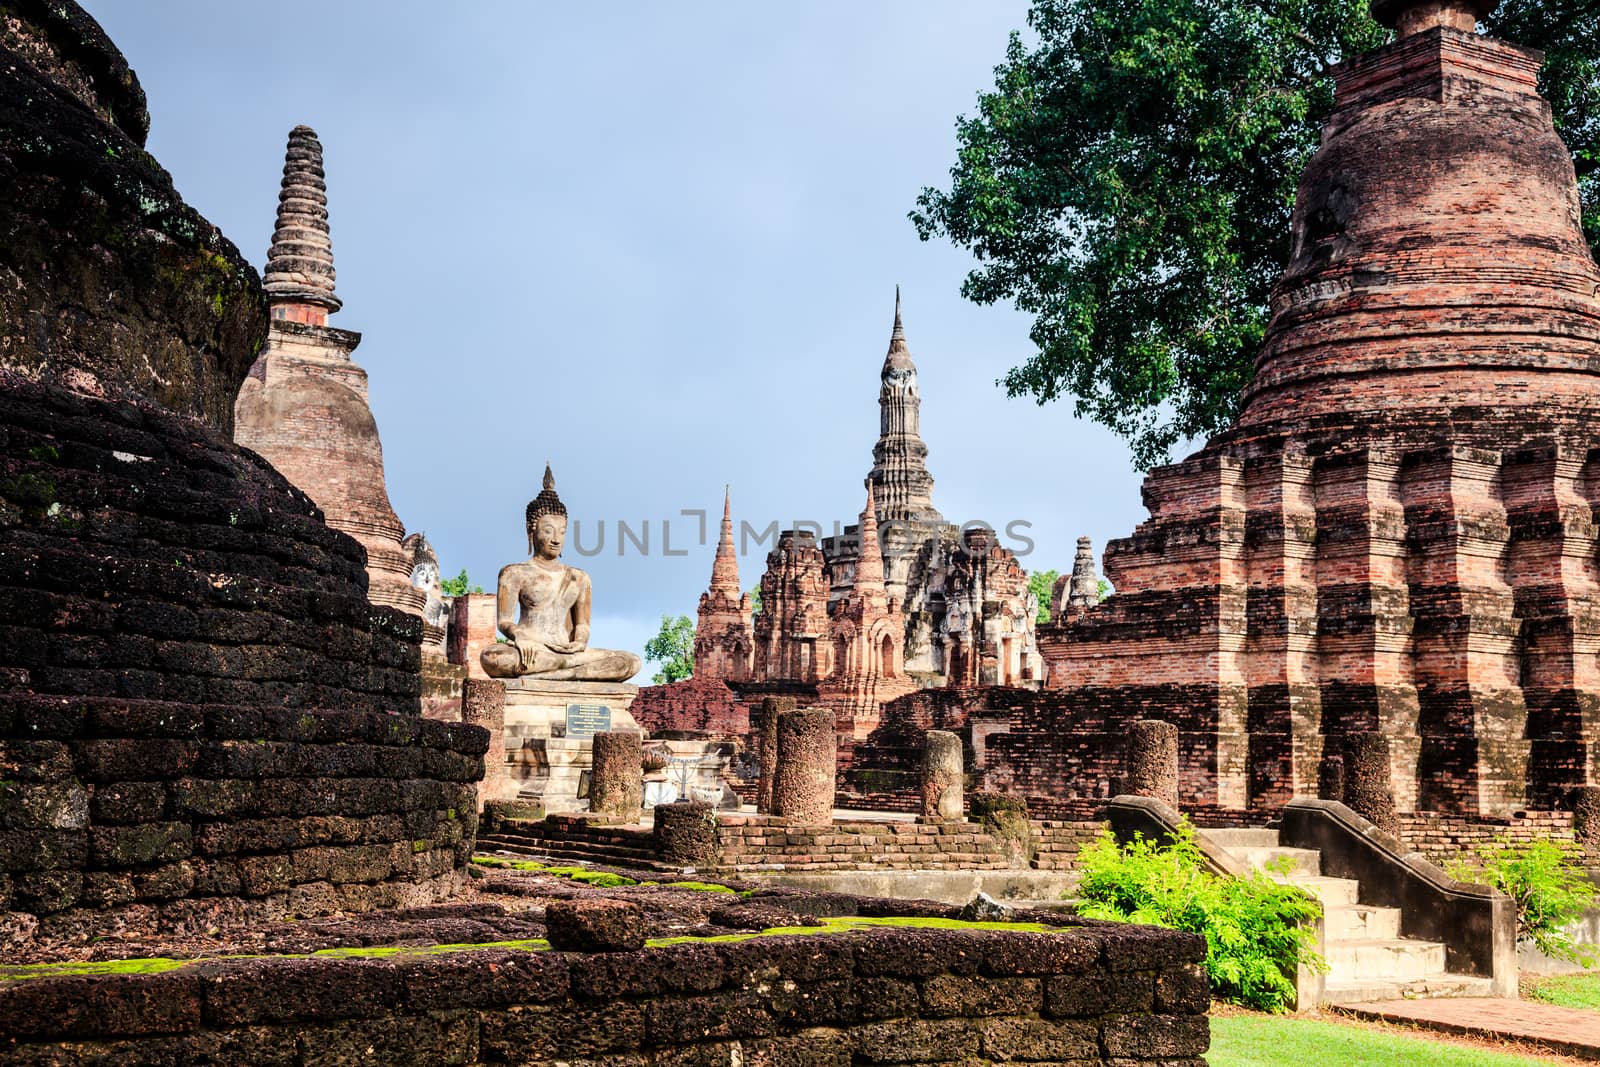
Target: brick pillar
(764, 722)
(616, 780)
(686, 833)
(808, 751)
(483, 703)
(1367, 788)
(1152, 760)
(942, 776)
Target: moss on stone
(699, 887)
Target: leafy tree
(1102, 588)
(1128, 182)
(1257, 931)
(460, 585)
(673, 648)
(1041, 584)
(1547, 881)
(755, 600)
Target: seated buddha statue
(543, 608)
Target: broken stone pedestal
(549, 731)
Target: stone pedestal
(1368, 788)
(942, 772)
(483, 703)
(1153, 761)
(549, 731)
(808, 751)
(764, 725)
(616, 783)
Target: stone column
(483, 703)
(616, 777)
(808, 752)
(1152, 760)
(1330, 773)
(1368, 790)
(764, 723)
(1586, 816)
(686, 833)
(942, 776)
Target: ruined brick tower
(723, 640)
(304, 404)
(866, 639)
(1399, 534)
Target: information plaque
(586, 720)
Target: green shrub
(1258, 932)
(1549, 887)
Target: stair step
(1333, 892)
(1243, 838)
(1361, 922)
(1365, 991)
(1294, 861)
(1389, 958)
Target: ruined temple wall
(188, 817)
(693, 705)
(1094, 995)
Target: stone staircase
(569, 839)
(1367, 958)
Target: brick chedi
(1398, 536)
(304, 404)
(724, 643)
(203, 720)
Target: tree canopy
(1129, 180)
(460, 585)
(673, 648)
(1041, 584)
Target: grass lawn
(1249, 1040)
(1567, 990)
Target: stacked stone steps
(573, 842)
(1367, 958)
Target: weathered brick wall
(165, 816)
(1442, 838)
(1090, 995)
(1057, 842)
(142, 556)
(693, 705)
(760, 840)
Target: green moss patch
(835, 925)
(698, 887)
(599, 879)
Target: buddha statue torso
(543, 608)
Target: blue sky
(654, 244)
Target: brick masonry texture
(180, 817)
(1398, 536)
(689, 836)
(1090, 995)
(202, 716)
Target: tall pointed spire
(869, 555)
(725, 568)
(300, 262)
(904, 488)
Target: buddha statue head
(547, 520)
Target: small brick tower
(723, 641)
(866, 640)
(304, 404)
